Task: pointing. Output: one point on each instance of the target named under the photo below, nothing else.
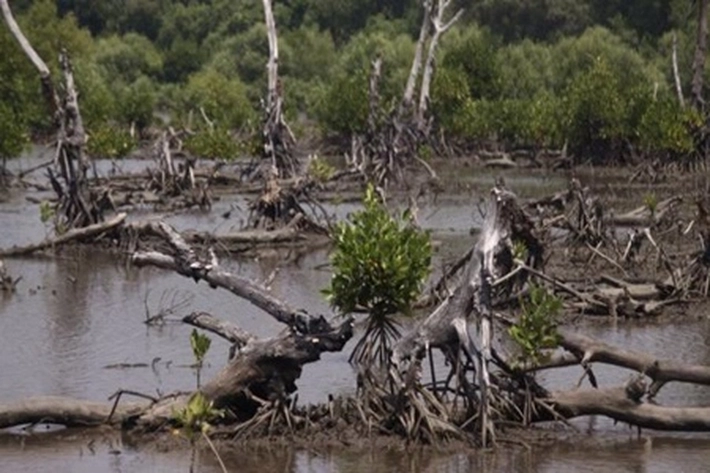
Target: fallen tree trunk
(661, 371)
(647, 215)
(65, 411)
(262, 369)
(622, 404)
(68, 237)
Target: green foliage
(137, 102)
(651, 202)
(112, 142)
(97, 97)
(667, 128)
(224, 100)
(216, 143)
(590, 73)
(379, 262)
(128, 57)
(536, 328)
(319, 169)
(540, 20)
(473, 52)
(343, 107)
(200, 344)
(13, 137)
(46, 211)
(197, 416)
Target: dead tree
(278, 140)
(258, 378)
(698, 102)
(440, 26)
(393, 137)
(471, 302)
(78, 207)
(676, 74)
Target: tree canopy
(592, 73)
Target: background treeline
(593, 74)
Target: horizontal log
(660, 371)
(71, 235)
(617, 403)
(64, 411)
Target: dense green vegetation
(590, 73)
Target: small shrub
(380, 262)
(319, 169)
(536, 328)
(379, 266)
(112, 142)
(216, 143)
(197, 416)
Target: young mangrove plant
(536, 329)
(195, 420)
(379, 265)
(200, 344)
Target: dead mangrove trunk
(697, 83)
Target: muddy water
(75, 328)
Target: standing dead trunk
(676, 74)
(408, 98)
(277, 136)
(78, 208)
(699, 59)
(440, 27)
(39, 64)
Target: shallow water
(76, 323)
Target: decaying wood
(697, 82)
(78, 206)
(277, 136)
(623, 404)
(282, 207)
(440, 25)
(645, 216)
(660, 371)
(263, 368)
(7, 282)
(676, 74)
(64, 411)
(75, 234)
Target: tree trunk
(408, 98)
(277, 136)
(676, 74)
(624, 405)
(78, 207)
(39, 64)
(698, 101)
(440, 27)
